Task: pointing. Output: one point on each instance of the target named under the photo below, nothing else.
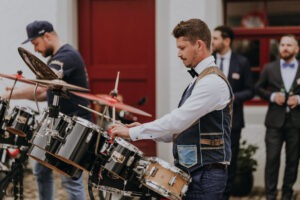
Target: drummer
(200, 126)
(69, 66)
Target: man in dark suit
(279, 84)
(237, 70)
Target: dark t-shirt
(71, 63)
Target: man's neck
(58, 44)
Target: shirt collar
(205, 63)
(226, 55)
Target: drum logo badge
(21, 120)
(117, 157)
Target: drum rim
(129, 146)
(25, 109)
(85, 123)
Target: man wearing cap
(65, 59)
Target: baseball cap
(36, 29)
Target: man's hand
(117, 130)
(292, 101)
(279, 98)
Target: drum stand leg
(107, 196)
(15, 175)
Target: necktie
(221, 64)
(192, 72)
(286, 65)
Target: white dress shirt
(210, 93)
(226, 61)
(288, 76)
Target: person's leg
(291, 164)
(235, 146)
(44, 181)
(207, 184)
(74, 188)
(274, 141)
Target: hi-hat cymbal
(38, 67)
(113, 102)
(59, 84)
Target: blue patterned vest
(207, 141)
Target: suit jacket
(271, 81)
(241, 81)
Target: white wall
(14, 16)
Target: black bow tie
(192, 72)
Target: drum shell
(123, 157)
(78, 147)
(41, 138)
(54, 163)
(164, 179)
(21, 122)
(106, 181)
(3, 113)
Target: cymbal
(18, 78)
(38, 67)
(113, 102)
(60, 84)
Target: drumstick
(105, 116)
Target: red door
(119, 35)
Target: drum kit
(73, 145)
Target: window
(258, 26)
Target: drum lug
(89, 137)
(184, 189)
(153, 171)
(172, 181)
(130, 161)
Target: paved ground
(30, 190)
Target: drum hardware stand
(19, 74)
(53, 114)
(16, 176)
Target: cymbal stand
(53, 114)
(19, 74)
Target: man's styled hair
(193, 30)
(226, 32)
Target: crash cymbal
(17, 77)
(113, 102)
(38, 67)
(59, 84)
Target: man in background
(279, 85)
(237, 70)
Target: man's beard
(287, 56)
(48, 52)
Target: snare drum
(168, 181)
(21, 122)
(78, 148)
(52, 162)
(123, 157)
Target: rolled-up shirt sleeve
(210, 93)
